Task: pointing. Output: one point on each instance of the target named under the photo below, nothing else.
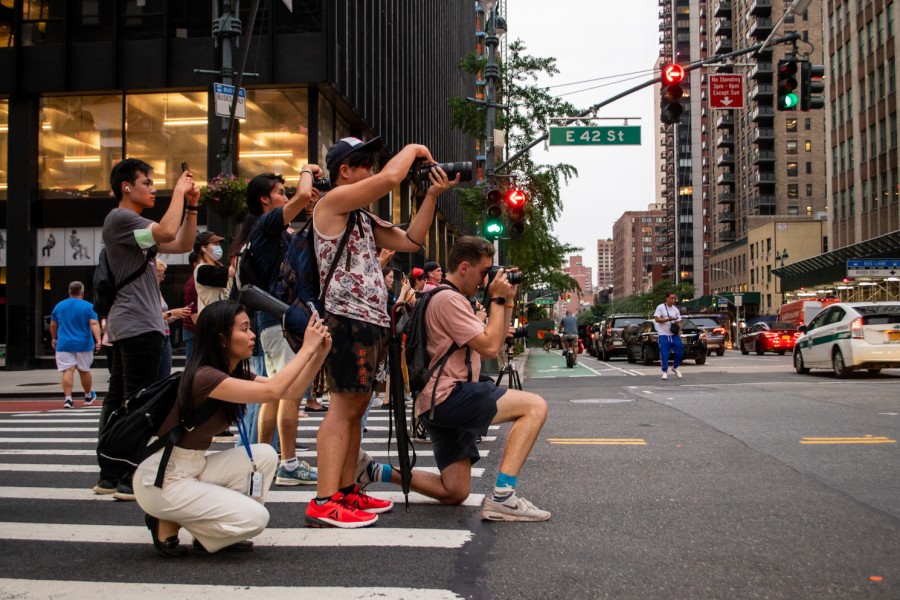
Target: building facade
(639, 243)
(88, 83)
(584, 276)
(604, 264)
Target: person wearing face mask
(211, 278)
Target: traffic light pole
(790, 37)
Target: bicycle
(570, 349)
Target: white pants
(207, 495)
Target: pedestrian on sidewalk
(75, 336)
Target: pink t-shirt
(449, 319)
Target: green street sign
(595, 136)
(544, 301)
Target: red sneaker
(360, 500)
(336, 513)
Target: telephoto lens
(323, 184)
(418, 174)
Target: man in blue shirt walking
(75, 336)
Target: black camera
(519, 332)
(418, 174)
(322, 184)
(513, 277)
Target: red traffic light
(516, 198)
(672, 74)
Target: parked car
(590, 339)
(608, 340)
(777, 336)
(715, 332)
(642, 342)
(849, 336)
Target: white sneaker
(512, 509)
(665, 375)
(677, 373)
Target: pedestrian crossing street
(48, 465)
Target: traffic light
(812, 86)
(715, 302)
(492, 203)
(493, 228)
(786, 98)
(515, 206)
(670, 108)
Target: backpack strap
(446, 357)
(140, 271)
(174, 435)
(351, 222)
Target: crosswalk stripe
(29, 589)
(280, 496)
(295, 537)
(43, 421)
(58, 468)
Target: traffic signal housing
(786, 96)
(492, 200)
(670, 108)
(515, 208)
(812, 86)
(493, 228)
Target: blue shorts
(460, 419)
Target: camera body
(418, 173)
(513, 277)
(322, 184)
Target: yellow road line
(868, 439)
(598, 441)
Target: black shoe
(105, 487)
(243, 546)
(316, 410)
(170, 548)
(124, 493)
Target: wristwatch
(169, 314)
(498, 300)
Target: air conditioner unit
(820, 216)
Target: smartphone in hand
(185, 167)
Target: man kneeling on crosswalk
(465, 407)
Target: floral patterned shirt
(357, 287)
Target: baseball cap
(344, 148)
(417, 273)
(431, 266)
(205, 237)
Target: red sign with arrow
(726, 91)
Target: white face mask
(215, 252)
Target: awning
(828, 268)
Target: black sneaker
(104, 487)
(124, 492)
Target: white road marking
(295, 537)
(33, 589)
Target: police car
(850, 336)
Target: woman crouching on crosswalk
(219, 498)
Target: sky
(590, 40)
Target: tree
(538, 253)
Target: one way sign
(726, 91)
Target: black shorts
(460, 419)
(358, 353)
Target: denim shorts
(460, 419)
(358, 354)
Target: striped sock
(504, 487)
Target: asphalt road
(742, 480)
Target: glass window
(808, 146)
(807, 124)
(862, 145)
(809, 189)
(792, 146)
(792, 169)
(4, 145)
(80, 141)
(793, 210)
(791, 124)
(142, 20)
(92, 21)
(809, 168)
(275, 136)
(165, 130)
(42, 22)
(191, 19)
(793, 190)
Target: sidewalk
(45, 383)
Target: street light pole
(781, 258)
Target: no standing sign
(726, 91)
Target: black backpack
(105, 288)
(244, 273)
(297, 281)
(418, 360)
(124, 437)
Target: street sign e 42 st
(595, 136)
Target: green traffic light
(789, 100)
(493, 229)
